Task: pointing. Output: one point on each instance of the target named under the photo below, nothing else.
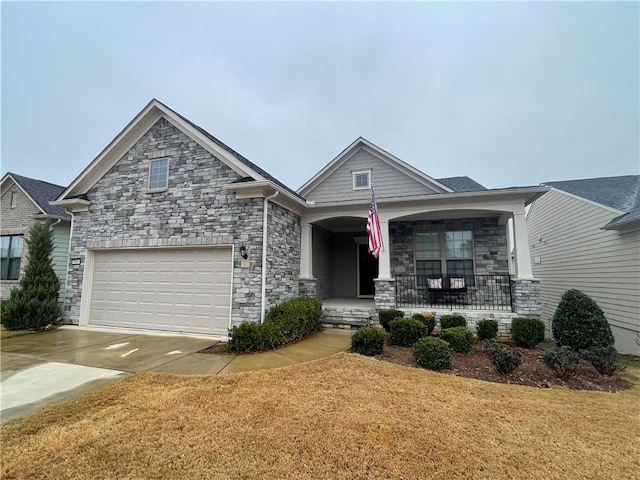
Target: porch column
(384, 260)
(521, 240)
(306, 252)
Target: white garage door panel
(180, 290)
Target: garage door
(172, 289)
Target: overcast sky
(506, 93)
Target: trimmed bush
(505, 359)
(579, 323)
(34, 302)
(284, 323)
(527, 332)
(386, 316)
(450, 321)
(432, 353)
(487, 329)
(603, 359)
(428, 318)
(564, 362)
(460, 339)
(368, 341)
(406, 331)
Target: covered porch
(449, 257)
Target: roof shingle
(42, 193)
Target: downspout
(263, 301)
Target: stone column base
(526, 297)
(385, 296)
(308, 287)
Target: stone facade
(526, 297)
(385, 296)
(16, 220)
(308, 287)
(193, 210)
(283, 254)
(491, 254)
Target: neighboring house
(585, 234)
(25, 201)
(170, 226)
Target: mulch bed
(533, 372)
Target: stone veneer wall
(489, 238)
(193, 210)
(16, 221)
(526, 297)
(308, 287)
(283, 254)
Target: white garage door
(171, 289)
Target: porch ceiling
(449, 214)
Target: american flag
(373, 228)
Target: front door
(367, 271)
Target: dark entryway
(367, 271)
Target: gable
(620, 193)
(193, 172)
(132, 133)
(23, 211)
(389, 177)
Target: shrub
(563, 361)
(487, 329)
(284, 323)
(428, 318)
(368, 341)
(603, 359)
(406, 331)
(505, 359)
(459, 338)
(579, 323)
(386, 316)
(432, 353)
(450, 321)
(527, 332)
(34, 302)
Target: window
(361, 180)
(444, 253)
(14, 199)
(158, 174)
(11, 255)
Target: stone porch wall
(489, 238)
(283, 254)
(194, 209)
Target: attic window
(158, 174)
(14, 199)
(362, 180)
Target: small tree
(34, 303)
(579, 323)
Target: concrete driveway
(41, 369)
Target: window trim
(361, 172)
(166, 180)
(14, 199)
(9, 259)
(443, 250)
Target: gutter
(263, 296)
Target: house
(585, 234)
(170, 226)
(25, 201)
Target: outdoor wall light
(243, 252)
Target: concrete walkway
(49, 367)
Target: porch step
(348, 317)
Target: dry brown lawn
(345, 416)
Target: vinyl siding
(576, 253)
(61, 255)
(323, 262)
(388, 181)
